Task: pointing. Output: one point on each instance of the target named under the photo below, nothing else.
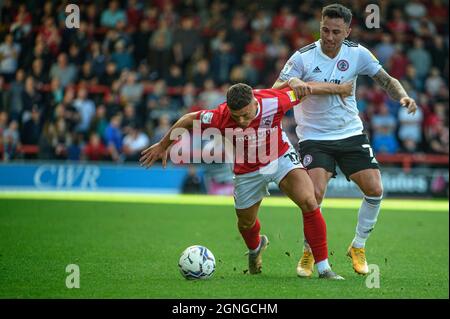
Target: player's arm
(300, 87)
(280, 84)
(321, 88)
(395, 90)
(288, 98)
(291, 75)
(159, 150)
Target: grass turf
(131, 250)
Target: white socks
(323, 266)
(367, 218)
(254, 251)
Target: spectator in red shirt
(438, 12)
(397, 24)
(50, 35)
(437, 137)
(285, 20)
(151, 16)
(22, 22)
(95, 150)
(134, 13)
(258, 49)
(397, 63)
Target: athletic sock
(367, 218)
(323, 266)
(305, 242)
(254, 251)
(315, 231)
(251, 236)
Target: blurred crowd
(113, 86)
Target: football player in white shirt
(329, 129)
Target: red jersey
(263, 140)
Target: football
(197, 262)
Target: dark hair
(239, 95)
(337, 10)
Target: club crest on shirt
(206, 117)
(267, 121)
(307, 160)
(342, 65)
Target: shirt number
(293, 157)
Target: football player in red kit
(251, 121)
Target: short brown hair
(337, 10)
(239, 95)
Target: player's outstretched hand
(300, 88)
(152, 154)
(409, 103)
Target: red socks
(251, 236)
(314, 228)
(315, 231)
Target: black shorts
(352, 154)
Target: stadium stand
(113, 86)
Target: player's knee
(375, 191)
(319, 193)
(309, 204)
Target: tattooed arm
(395, 90)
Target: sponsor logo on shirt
(267, 121)
(250, 134)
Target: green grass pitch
(128, 247)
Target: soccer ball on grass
(197, 262)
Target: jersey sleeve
(368, 64)
(209, 118)
(293, 68)
(286, 99)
